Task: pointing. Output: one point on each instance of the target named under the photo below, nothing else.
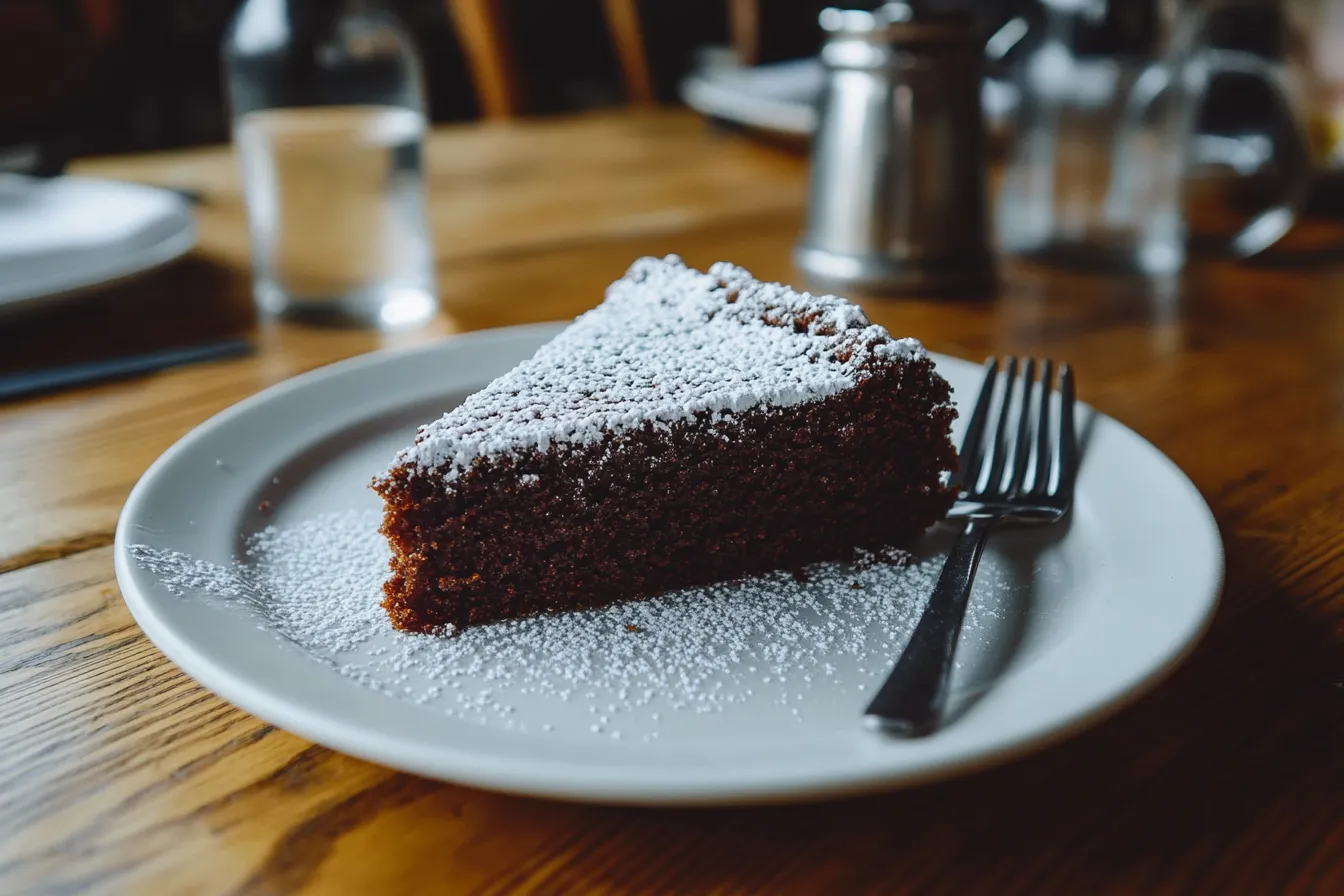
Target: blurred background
(115, 78)
(110, 76)
(86, 77)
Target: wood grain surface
(119, 774)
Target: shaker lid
(897, 22)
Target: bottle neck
(311, 18)
(317, 53)
(316, 17)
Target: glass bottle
(328, 121)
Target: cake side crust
(656, 508)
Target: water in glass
(329, 126)
(337, 212)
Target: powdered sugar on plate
(764, 643)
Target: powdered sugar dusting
(766, 643)
(667, 344)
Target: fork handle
(911, 700)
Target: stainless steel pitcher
(898, 162)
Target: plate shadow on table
(191, 301)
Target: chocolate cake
(692, 428)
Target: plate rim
(560, 780)
(144, 259)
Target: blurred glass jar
(329, 121)
(1106, 133)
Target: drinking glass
(1107, 130)
(328, 122)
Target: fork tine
(969, 464)
(1040, 482)
(1068, 435)
(998, 448)
(1022, 450)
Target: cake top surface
(667, 344)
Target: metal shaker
(898, 160)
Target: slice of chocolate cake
(692, 428)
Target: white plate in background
(781, 97)
(62, 235)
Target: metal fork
(1020, 473)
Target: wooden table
(119, 774)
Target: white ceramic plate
(62, 236)
(781, 97)
(1092, 614)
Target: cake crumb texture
(693, 428)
